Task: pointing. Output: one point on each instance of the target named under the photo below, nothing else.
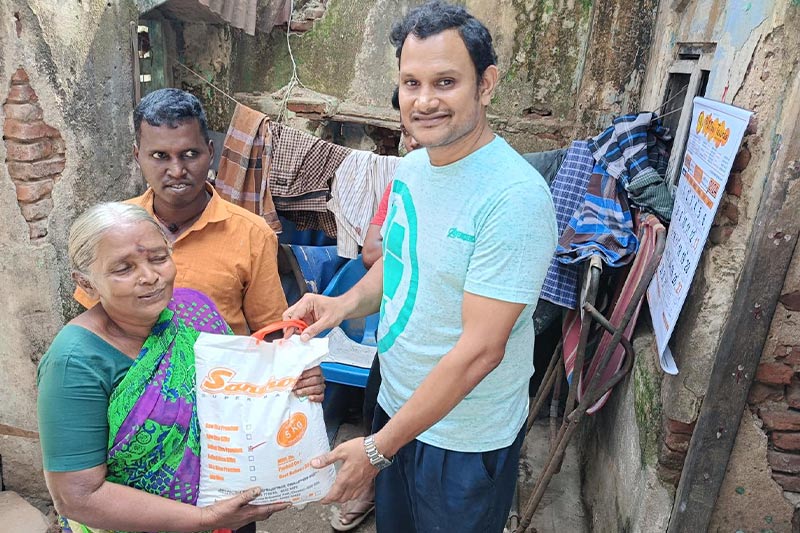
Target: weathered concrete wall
(754, 66)
(206, 49)
(66, 85)
(566, 66)
(749, 49)
(619, 451)
(774, 398)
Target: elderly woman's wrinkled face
(133, 272)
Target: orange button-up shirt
(231, 255)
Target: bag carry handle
(278, 326)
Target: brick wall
(34, 153)
(775, 396)
(672, 452)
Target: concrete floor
(561, 508)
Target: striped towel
(569, 190)
(355, 194)
(603, 225)
(243, 175)
(633, 150)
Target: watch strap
(376, 458)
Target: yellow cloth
(231, 255)
(80, 528)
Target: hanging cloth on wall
(357, 188)
(243, 175)
(603, 225)
(634, 151)
(301, 173)
(569, 190)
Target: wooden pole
(770, 249)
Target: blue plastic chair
(361, 330)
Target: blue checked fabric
(569, 192)
(633, 150)
(602, 226)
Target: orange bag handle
(278, 326)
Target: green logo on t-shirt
(399, 284)
(453, 233)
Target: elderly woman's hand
(311, 384)
(236, 512)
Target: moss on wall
(542, 74)
(554, 68)
(206, 49)
(325, 56)
(647, 404)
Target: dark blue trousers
(428, 489)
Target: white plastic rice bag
(254, 431)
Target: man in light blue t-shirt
(467, 242)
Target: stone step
(18, 515)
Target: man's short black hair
(436, 16)
(169, 107)
(396, 98)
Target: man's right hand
(319, 312)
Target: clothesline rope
(668, 114)
(683, 90)
(223, 93)
(295, 79)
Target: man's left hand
(311, 383)
(355, 472)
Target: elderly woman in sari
(117, 416)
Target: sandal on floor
(356, 509)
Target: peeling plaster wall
(754, 66)
(737, 73)
(77, 57)
(206, 49)
(566, 66)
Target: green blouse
(76, 377)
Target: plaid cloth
(301, 174)
(569, 190)
(304, 212)
(634, 151)
(312, 220)
(603, 225)
(244, 165)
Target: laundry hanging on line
(634, 151)
(357, 189)
(245, 162)
(568, 189)
(303, 167)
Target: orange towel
(244, 167)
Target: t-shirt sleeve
(264, 301)
(73, 413)
(514, 245)
(383, 207)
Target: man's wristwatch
(375, 457)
